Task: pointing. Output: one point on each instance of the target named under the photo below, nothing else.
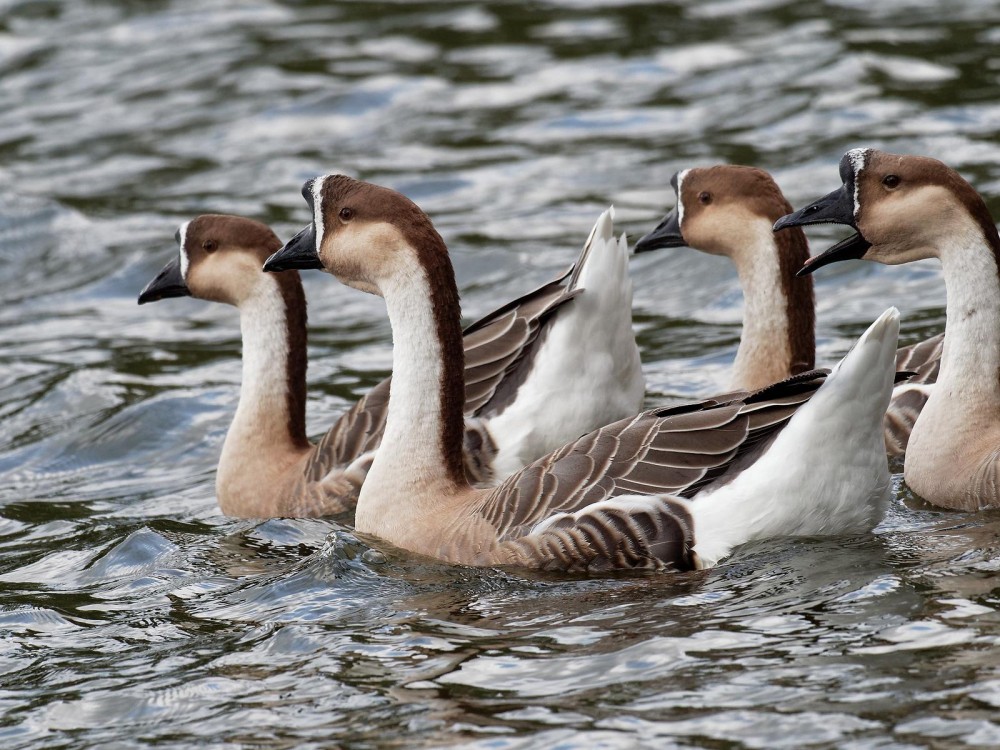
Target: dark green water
(133, 614)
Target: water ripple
(134, 614)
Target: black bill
(666, 234)
(299, 253)
(169, 282)
(835, 208)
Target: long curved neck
(420, 455)
(778, 337)
(269, 425)
(970, 362)
(951, 454)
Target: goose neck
(778, 311)
(970, 362)
(421, 451)
(270, 417)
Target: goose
(672, 488)
(543, 355)
(906, 208)
(729, 210)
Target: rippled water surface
(132, 613)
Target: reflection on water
(132, 613)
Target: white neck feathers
(262, 417)
(764, 354)
(970, 363)
(951, 454)
(410, 458)
(264, 325)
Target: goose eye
(704, 197)
(209, 246)
(177, 236)
(307, 191)
(891, 181)
(346, 214)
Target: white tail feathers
(588, 351)
(826, 472)
(603, 265)
(884, 329)
(868, 370)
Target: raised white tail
(601, 234)
(826, 472)
(587, 372)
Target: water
(132, 614)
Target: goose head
(716, 208)
(363, 234)
(902, 208)
(219, 259)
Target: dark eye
(891, 181)
(177, 236)
(209, 246)
(346, 214)
(307, 191)
(704, 197)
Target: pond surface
(133, 614)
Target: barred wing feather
(676, 451)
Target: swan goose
(516, 358)
(803, 456)
(906, 208)
(729, 210)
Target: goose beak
(299, 253)
(168, 283)
(834, 208)
(666, 234)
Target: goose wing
(357, 432)
(654, 532)
(500, 347)
(923, 359)
(672, 451)
(904, 408)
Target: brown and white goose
(907, 208)
(268, 466)
(729, 210)
(803, 456)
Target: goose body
(906, 208)
(672, 488)
(518, 359)
(729, 210)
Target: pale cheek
(364, 286)
(879, 254)
(204, 286)
(721, 232)
(894, 251)
(699, 235)
(345, 268)
(333, 262)
(226, 277)
(713, 244)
